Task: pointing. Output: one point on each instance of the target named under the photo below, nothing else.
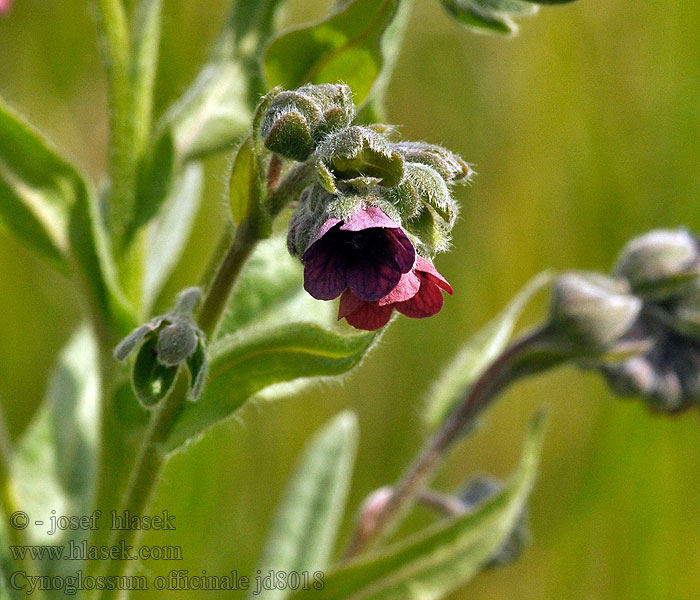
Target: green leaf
(347, 47)
(245, 185)
(478, 352)
(151, 380)
(55, 458)
(37, 188)
(306, 526)
(245, 363)
(157, 172)
(212, 115)
(270, 292)
(170, 231)
(436, 561)
(46, 202)
(373, 110)
(96, 269)
(490, 16)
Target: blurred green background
(584, 132)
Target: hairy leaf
(245, 185)
(54, 459)
(493, 16)
(170, 231)
(37, 187)
(270, 291)
(436, 561)
(48, 205)
(254, 358)
(347, 47)
(212, 115)
(478, 352)
(306, 526)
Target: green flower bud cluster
(640, 328)
(162, 346)
(361, 165)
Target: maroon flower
(367, 254)
(417, 295)
(5, 7)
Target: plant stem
(153, 456)
(122, 159)
(9, 503)
(492, 381)
(215, 302)
(447, 505)
(246, 236)
(146, 473)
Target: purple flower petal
(367, 218)
(324, 275)
(374, 279)
(402, 249)
(328, 224)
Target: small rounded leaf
(150, 379)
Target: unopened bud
(423, 186)
(449, 165)
(592, 312)
(661, 263)
(358, 155)
(481, 489)
(176, 343)
(296, 120)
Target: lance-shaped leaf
(490, 16)
(304, 531)
(436, 561)
(245, 185)
(170, 231)
(270, 291)
(212, 115)
(46, 202)
(478, 352)
(54, 460)
(37, 188)
(254, 358)
(347, 47)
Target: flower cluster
(376, 212)
(644, 323)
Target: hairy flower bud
(162, 346)
(449, 165)
(296, 120)
(592, 312)
(661, 264)
(481, 489)
(358, 156)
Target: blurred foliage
(584, 133)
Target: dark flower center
(361, 245)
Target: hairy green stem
(378, 522)
(147, 471)
(153, 455)
(246, 236)
(215, 302)
(122, 159)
